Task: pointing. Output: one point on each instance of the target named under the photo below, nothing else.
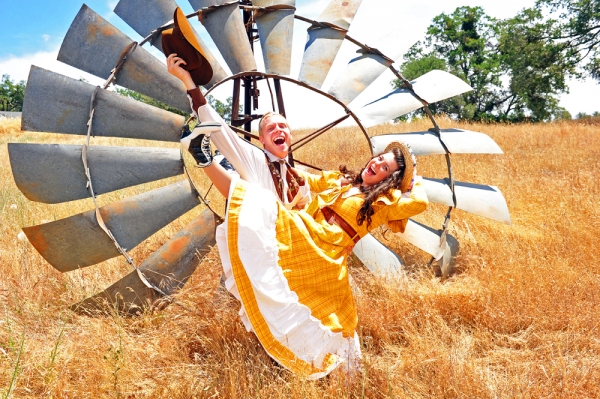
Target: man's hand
(174, 64)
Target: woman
(288, 268)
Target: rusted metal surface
(226, 27)
(53, 173)
(428, 239)
(168, 268)
(144, 16)
(432, 87)
(275, 31)
(378, 258)
(457, 141)
(324, 43)
(482, 200)
(78, 241)
(58, 104)
(94, 45)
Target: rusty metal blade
(486, 201)
(94, 45)
(378, 258)
(428, 240)
(458, 141)
(275, 30)
(323, 44)
(168, 268)
(58, 104)
(432, 87)
(226, 27)
(144, 16)
(78, 241)
(54, 173)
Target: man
(268, 168)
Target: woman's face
(378, 169)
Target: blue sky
(32, 31)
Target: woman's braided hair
(393, 182)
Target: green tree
(11, 94)
(536, 65)
(575, 24)
(516, 73)
(461, 43)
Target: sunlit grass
(519, 318)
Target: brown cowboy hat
(182, 41)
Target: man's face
(275, 135)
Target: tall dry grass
(519, 318)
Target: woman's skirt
(293, 297)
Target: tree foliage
(515, 70)
(11, 94)
(575, 24)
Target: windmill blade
(54, 173)
(275, 30)
(432, 87)
(78, 241)
(457, 141)
(360, 72)
(144, 16)
(226, 27)
(94, 46)
(323, 44)
(486, 201)
(378, 258)
(58, 104)
(168, 268)
(428, 240)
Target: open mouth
(370, 170)
(279, 141)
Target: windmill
(62, 173)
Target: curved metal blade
(79, 241)
(486, 201)
(378, 258)
(58, 104)
(359, 74)
(432, 87)
(323, 44)
(458, 141)
(54, 173)
(275, 30)
(428, 240)
(168, 268)
(94, 45)
(144, 16)
(226, 27)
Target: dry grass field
(519, 318)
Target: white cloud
(46, 37)
(18, 67)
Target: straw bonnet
(410, 163)
(182, 41)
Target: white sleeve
(245, 158)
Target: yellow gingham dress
(288, 269)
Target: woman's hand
(174, 67)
